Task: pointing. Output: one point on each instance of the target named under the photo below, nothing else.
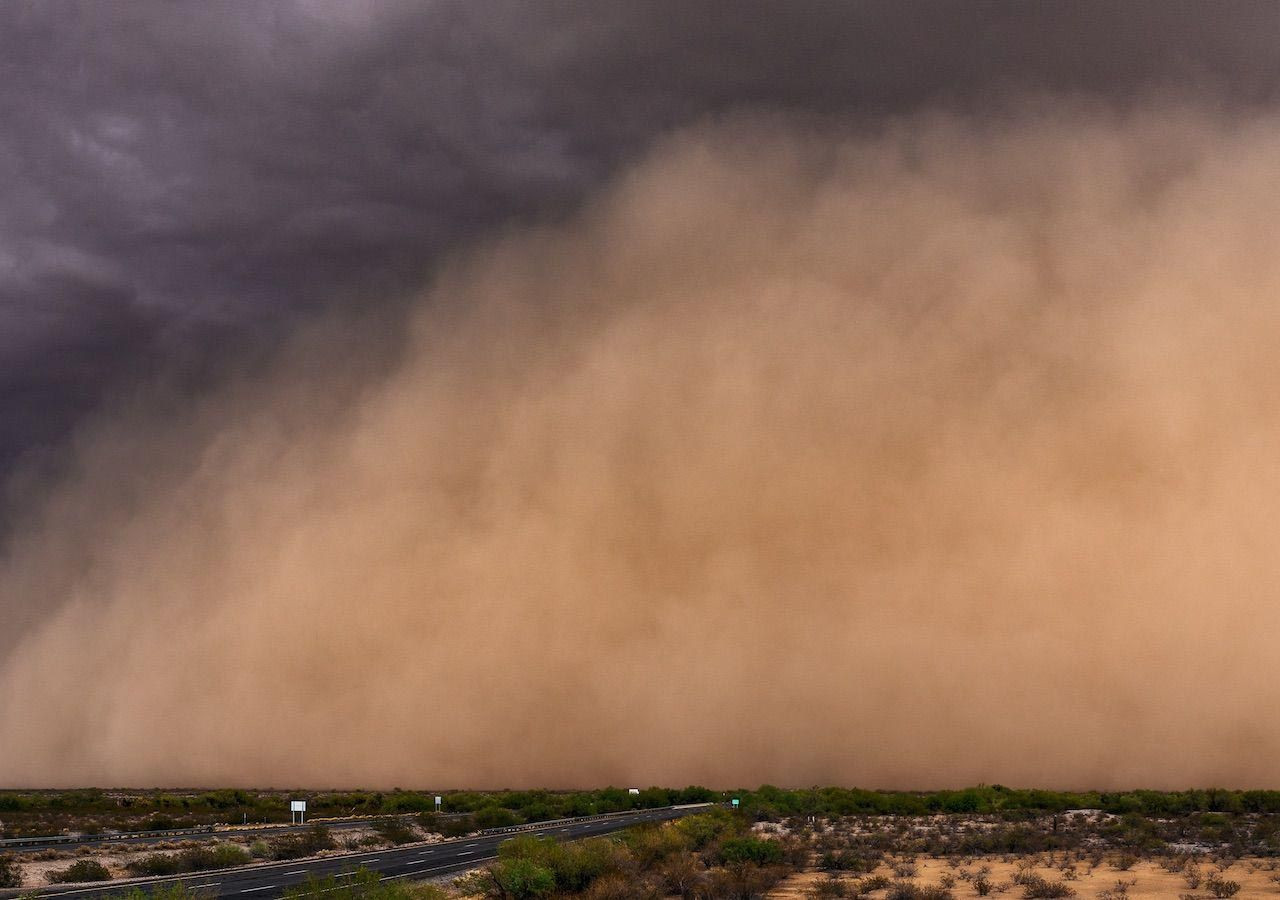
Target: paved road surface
(413, 862)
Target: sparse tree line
(91, 811)
(770, 802)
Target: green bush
(195, 859)
(573, 866)
(760, 851)
(307, 843)
(651, 844)
(454, 826)
(83, 870)
(494, 817)
(395, 831)
(702, 829)
(523, 878)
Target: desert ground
(1256, 877)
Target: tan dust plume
(945, 455)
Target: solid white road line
(434, 869)
(265, 887)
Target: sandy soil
(1257, 878)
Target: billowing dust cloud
(943, 455)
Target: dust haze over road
(907, 449)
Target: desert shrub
(616, 886)
(455, 826)
(905, 890)
(701, 830)
(522, 878)
(573, 866)
(494, 817)
(651, 844)
(828, 888)
(224, 856)
(873, 883)
(193, 859)
(905, 870)
(1192, 876)
(259, 849)
(306, 843)
(1219, 887)
(1124, 862)
(82, 870)
(982, 885)
(395, 831)
(846, 861)
(761, 851)
(741, 881)
(1038, 886)
(680, 873)
(1117, 891)
(1026, 873)
(10, 871)
(154, 864)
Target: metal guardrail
(576, 820)
(97, 838)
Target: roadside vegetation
(32, 813)
(193, 859)
(983, 841)
(10, 871)
(770, 802)
(82, 870)
(714, 855)
(24, 813)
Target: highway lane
(415, 861)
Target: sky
(569, 393)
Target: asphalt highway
(416, 861)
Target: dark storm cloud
(183, 180)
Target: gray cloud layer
(184, 180)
